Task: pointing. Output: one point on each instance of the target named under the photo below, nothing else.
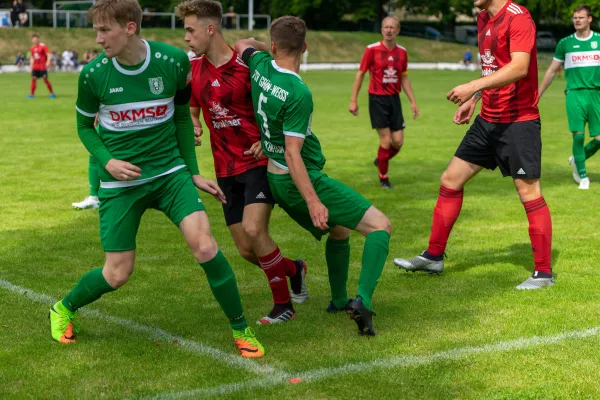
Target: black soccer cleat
(279, 314)
(299, 293)
(331, 308)
(363, 317)
(384, 183)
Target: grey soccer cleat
(576, 176)
(298, 292)
(420, 263)
(533, 283)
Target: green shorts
(121, 209)
(346, 207)
(584, 106)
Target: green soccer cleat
(247, 343)
(63, 324)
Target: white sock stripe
(271, 263)
(153, 332)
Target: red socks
(277, 268)
(445, 213)
(33, 85)
(383, 160)
(48, 85)
(540, 233)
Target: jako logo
(134, 115)
(116, 90)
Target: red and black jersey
(225, 98)
(511, 30)
(40, 55)
(386, 67)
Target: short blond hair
(201, 9)
(119, 11)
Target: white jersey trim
(137, 71)
(125, 184)
(87, 114)
(584, 39)
(285, 71)
(515, 9)
(278, 165)
(558, 59)
(136, 116)
(295, 134)
(373, 45)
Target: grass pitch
(465, 334)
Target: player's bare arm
(549, 76)
(195, 114)
(358, 80)
(510, 73)
(318, 212)
(244, 44)
(406, 86)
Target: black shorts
(386, 112)
(249, 187)
(39, 74)
(514, 147)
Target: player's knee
(247, 253)
(382, 223)
(205, 249)
(339, 233)
(117, 276)
(450, 181)
(398, 143)
(253, 231)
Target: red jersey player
(221, 89)
(506, 134)
(387, 64)
(39, 62)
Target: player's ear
(131, 28)
(304, 47)
(273, 48)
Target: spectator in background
(14, 13)
(23, 16)
(75, 59)
(20, 60)
(86, 58)
(467, 58)
(229, 18)
(93, 55)
(67, 60)
(54, 61)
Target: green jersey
(581, 58)
(135, 106)
(283, 106)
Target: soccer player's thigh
(520, 155)
(177, 197)
(121, 211)
(576, 110)
(396, 122)
(475, 151)
(258, 201)
(594, 114)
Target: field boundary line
(385, 363)
(156, 333)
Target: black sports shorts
(386, 112)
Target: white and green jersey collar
(136, 71)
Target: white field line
(386, 363)
(156, 333)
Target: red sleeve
(366, 61)
(194, 102)
(522, 34)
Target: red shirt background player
(387, 64)
(507, 134)
(385, 67)
(39, 62)
(223, 94)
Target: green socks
(224, 287)
(337, 255)
(90, 288)
(93, 176)
(591, 148)
(579, 154)
(375, 252)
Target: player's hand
(353, 108)
(256, 151)
(462, 93)
(197, 133)
(319, 214)
(122, 170)
(415, 110)
(210, 187)
(464, 113)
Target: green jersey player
(283, 106)
(145, 148)
(580, 55)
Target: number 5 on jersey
(265, 124)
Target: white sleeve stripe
(87, 114)
(295, 134)
(558, 59)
